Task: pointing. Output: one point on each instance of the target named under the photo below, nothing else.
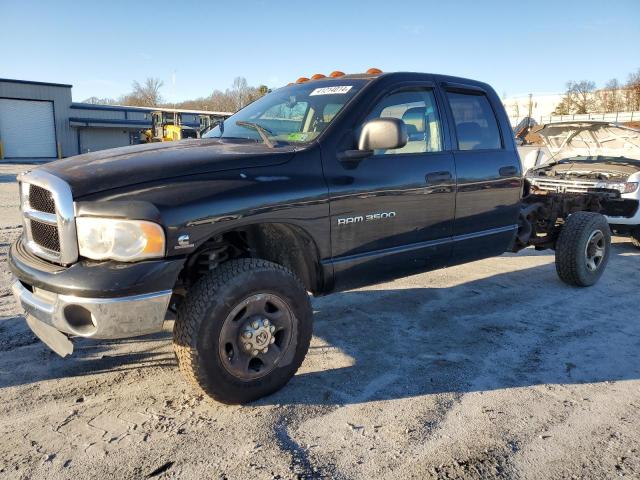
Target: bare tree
(563, 108)
(610, 97)
(579, 98)
(230, 100)
(240, 93)
(516, 108)
(100, 101)
(632, 91)
(146, 94)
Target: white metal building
(34, 120)
(39, 122)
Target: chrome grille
(563, 186)
(41, 199)
(49, 222)
(45, 235)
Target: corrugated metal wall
(86, 110)
(97, 114)
(60, 95)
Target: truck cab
(323, 185)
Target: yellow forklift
(167, 127)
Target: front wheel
(583, 249)
(243, 330)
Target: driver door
(392, 214)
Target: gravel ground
(493, 369)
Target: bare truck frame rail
(543, 215)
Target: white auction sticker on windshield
(340, 90)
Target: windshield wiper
(262, 131)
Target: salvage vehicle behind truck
(320, 186)
(590, 156)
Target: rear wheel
(583, 248)
(635, 237)
(243, 330)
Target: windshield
(294, 114)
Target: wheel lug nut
(265, 350)
(247, 346)
(265, 322)
(247, 334)
(272, 329)
(273, 340)
(255, 352)
(255, 324)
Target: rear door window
(476, 124)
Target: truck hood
(119, 167)
(590, 139)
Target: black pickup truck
(323, 185)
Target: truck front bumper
(89, 317)
(103, 300)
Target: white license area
(338, 90)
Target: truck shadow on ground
(517, 329)
(514, 329)
(24, 359)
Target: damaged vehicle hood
(590, 139)
(590, 150)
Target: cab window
(476, 124)
(417, 109)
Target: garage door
(93, 139)
(27, 129)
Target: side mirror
(379, 134)
(383, 134)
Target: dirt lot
(492, 369)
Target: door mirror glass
(383, 134)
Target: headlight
(123, 240)
(622, 187)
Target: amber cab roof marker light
(336, 74)
(374, 71)
(317, 76)
(302, 80)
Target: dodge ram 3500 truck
(320, 186)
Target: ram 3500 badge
(366, 218)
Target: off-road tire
(571, 261)
(635, 237)
(201, 315)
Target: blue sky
(102, 46)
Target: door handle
(509, 171)
(438, 177)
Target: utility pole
(530, 111)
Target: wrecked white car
(594, 157)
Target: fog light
(80, 319)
